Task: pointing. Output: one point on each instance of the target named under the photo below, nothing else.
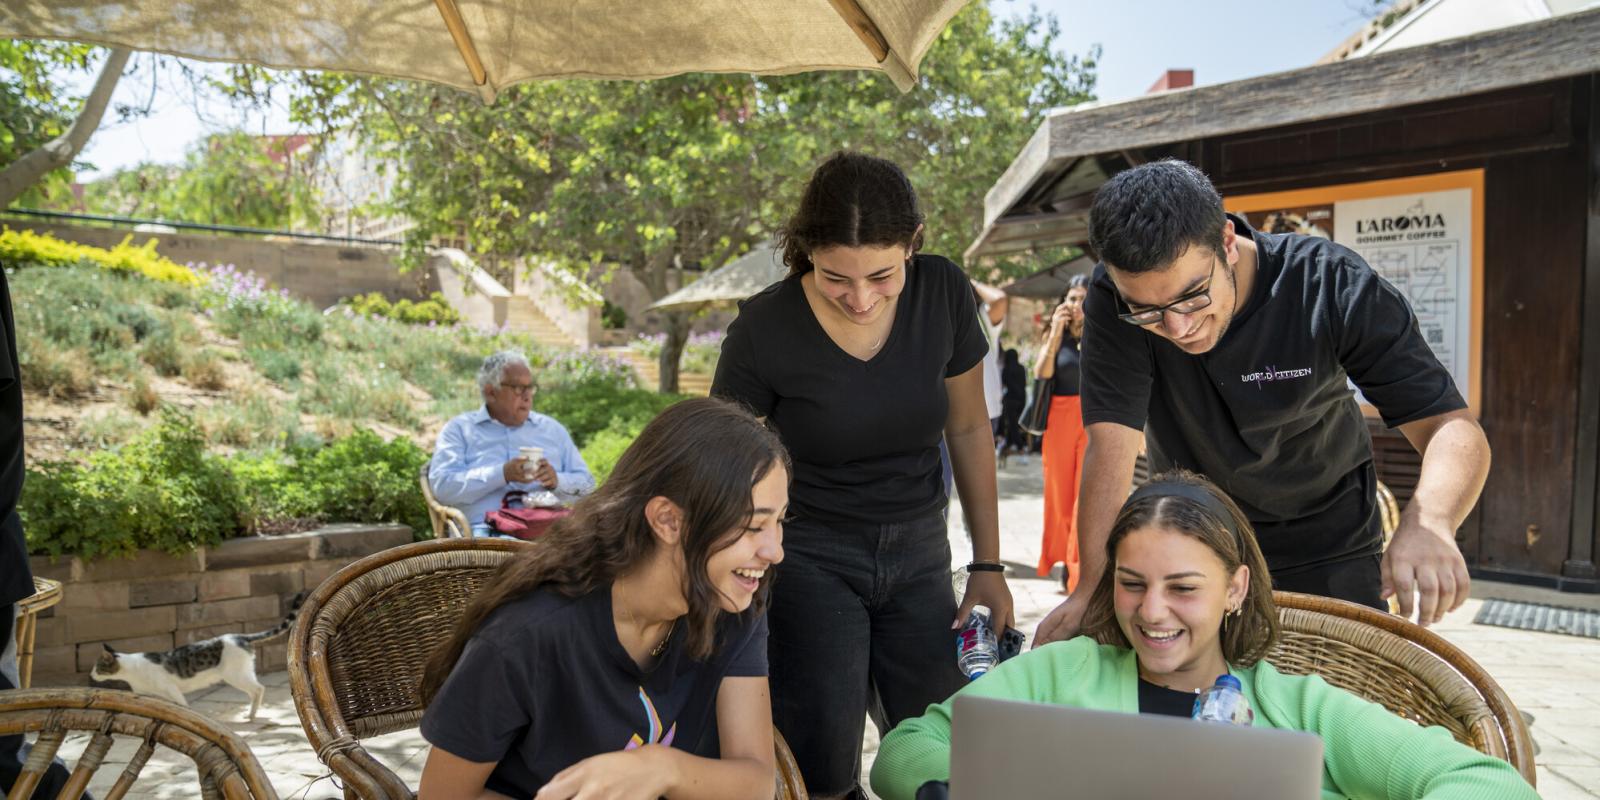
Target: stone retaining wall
(156, 601)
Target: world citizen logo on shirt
(1273, 374)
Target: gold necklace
(662, 646)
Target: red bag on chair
(512, 519)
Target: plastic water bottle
(1224, 702)
(976, 648)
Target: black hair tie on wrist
(986, 566)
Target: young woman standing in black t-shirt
(863, 358)
(624, 652)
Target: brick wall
(156, 601)
(320, 273)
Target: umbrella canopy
(487, 45)
(731, 282)
(1050, 283)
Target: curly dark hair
(1145, 218)
(852, 200)
(704, 455)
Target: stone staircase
(523, 315)
(694, 383)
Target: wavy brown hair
(1251, 635)
(704, 455)
(852, 200)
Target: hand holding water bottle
(977, 649)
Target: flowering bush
(247, 308)
(27, 247)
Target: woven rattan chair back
(448, 521)
(226, 768)
(1404, 667)
(46, 593)
(359, 645)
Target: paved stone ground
(1555, 678)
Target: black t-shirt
(1161, 701)
(16, 580)
(1068, 360)
(1268, 414)
(545, 683)
(864, 435)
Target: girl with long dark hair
(863, 358)
(624, 652)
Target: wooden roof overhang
(1043, 198)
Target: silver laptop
(1008, 749)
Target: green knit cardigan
(1368, 752)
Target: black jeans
(860, 623)
(14, 749)
(1359, 580)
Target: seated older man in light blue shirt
(478, 457)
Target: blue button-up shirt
(469, 459)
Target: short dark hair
(852, 200)
(1144, 218)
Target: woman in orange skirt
(1064, 438)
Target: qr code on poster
(1435, 336)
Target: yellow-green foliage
(25, 247)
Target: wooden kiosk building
(1468, 173)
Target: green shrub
(142, 397)
(161, 491)
(278, 366)
(587, 409)
(607, 446)
(203, 370)
(363, 477)
(164, 353)
(435, 310)
(54, 371)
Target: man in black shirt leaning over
(1231, 351)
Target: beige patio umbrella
(487, 45)
(731, 282)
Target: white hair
(494, 367)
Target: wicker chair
(448, 521)
(358, 648)
(1406, 668)
(46, 593)
(226, 767)
(1389, 509)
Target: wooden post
(1580, 563)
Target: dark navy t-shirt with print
(545, 683)
(864, 435)
(1268, 414)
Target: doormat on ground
(1539, 617)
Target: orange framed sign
(1423, 234)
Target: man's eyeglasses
(525, 390)
(1187, 304)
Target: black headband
(1208, 501)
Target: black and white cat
(229, 658)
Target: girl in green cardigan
(1188, 598)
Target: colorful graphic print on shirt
(653, 720)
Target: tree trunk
(677, 330)
(59, 152)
